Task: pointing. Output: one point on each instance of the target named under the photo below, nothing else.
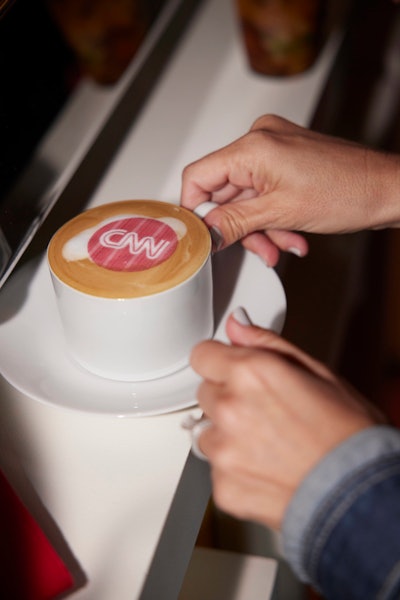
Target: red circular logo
(132, 244)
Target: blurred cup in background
(103, 35)
(281, 37)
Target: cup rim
(121, 203)
(130, 298)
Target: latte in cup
(129, 249)
(133, 285)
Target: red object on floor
(30, 568)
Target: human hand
(280, 179)
(274, 413)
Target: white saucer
(34, 360)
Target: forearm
(342, 529)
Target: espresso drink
(129, 249)
(133, 285)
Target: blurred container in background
(4, 6)
(104, 35)
(281, 37)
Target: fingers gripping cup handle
(196, 426)
(202, 211)
(204, 208)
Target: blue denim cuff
(349, 457)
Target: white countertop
(109, 484)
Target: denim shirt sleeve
(341, 531)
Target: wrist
(384, 175)
(340, 465)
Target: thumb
(239, 218)
(242, 332)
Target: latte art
(130, 243)
(129, 249)
(133, 244)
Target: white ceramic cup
(133, 283)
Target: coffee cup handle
(204, 208)
(201, 211)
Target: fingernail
(295, 251)
(216, 237)
(266, 263)
(240, 315)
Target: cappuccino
(129, 249)
(133, 285)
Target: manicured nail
(240, 315)
(217, 239)
(266, 263)
(295, 251)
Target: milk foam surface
(129, 249)
(77, 247)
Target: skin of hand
(275, 412)
(280, 179)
